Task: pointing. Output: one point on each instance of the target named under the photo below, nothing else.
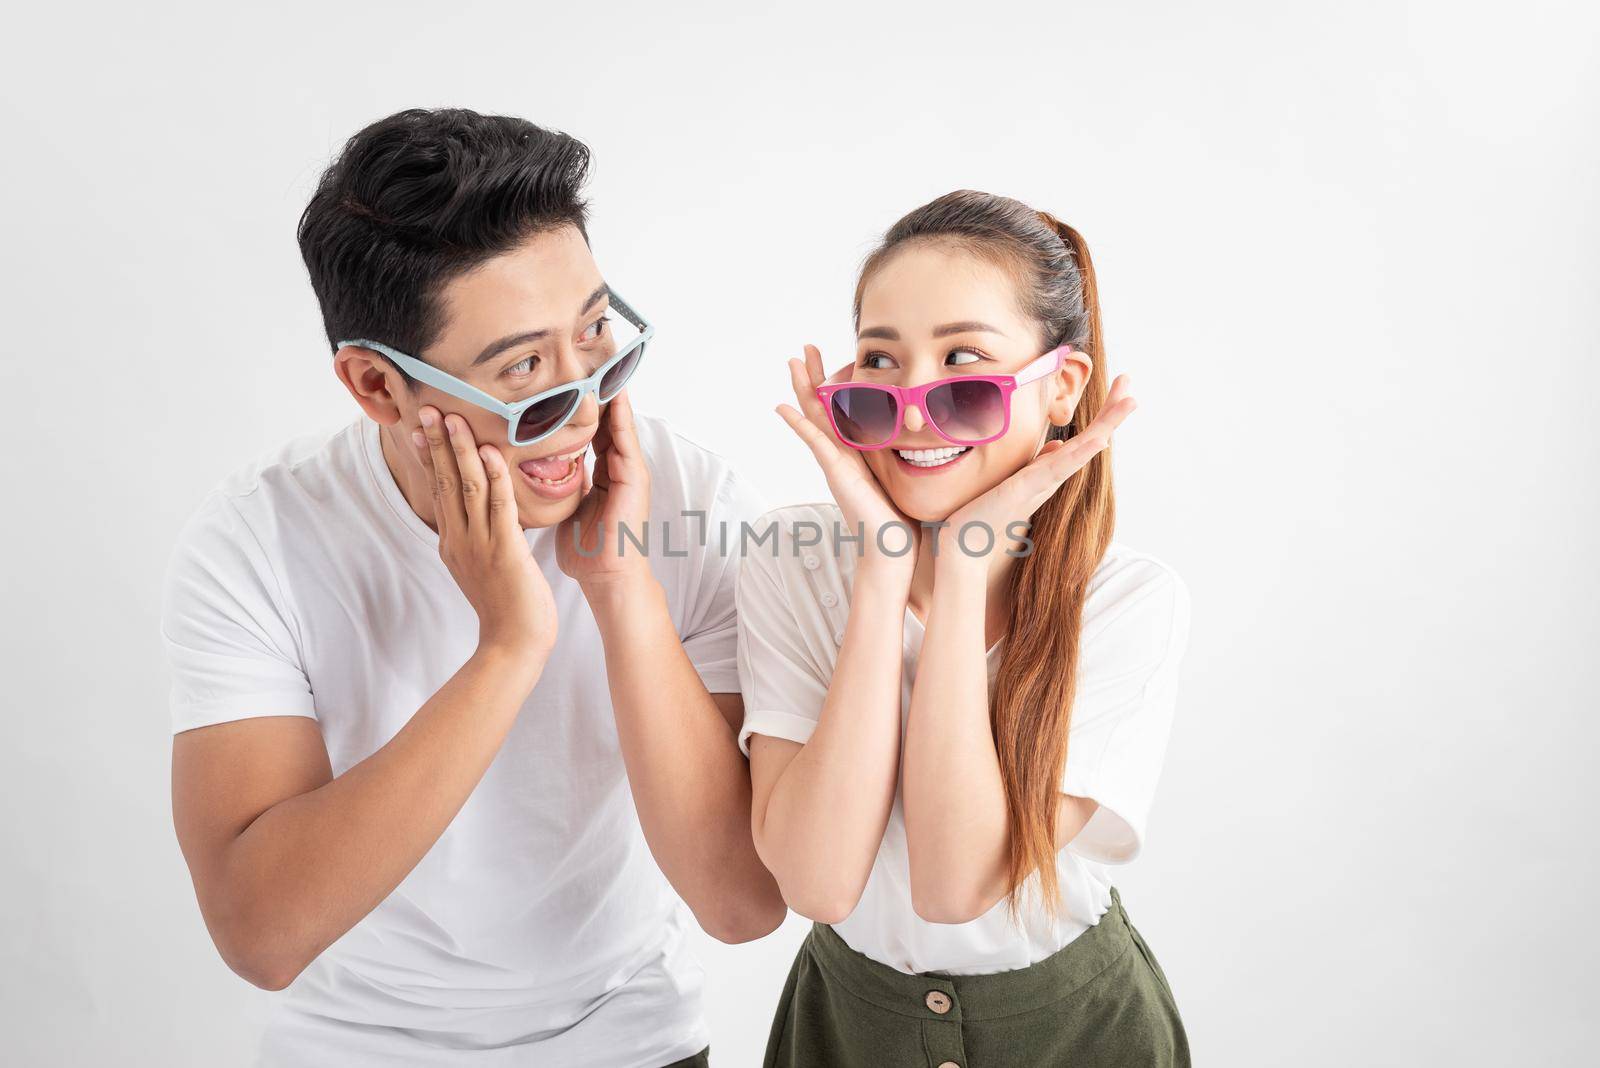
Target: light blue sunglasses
(534, 418)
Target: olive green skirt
(1101, 1001)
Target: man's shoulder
(305, 458)
(686, 473)
(663, 442)
(261, 492)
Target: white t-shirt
(537, 930)
(793, 602)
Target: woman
(958, 688)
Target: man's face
(519, 324)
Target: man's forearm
(690, 783)
(310, 867)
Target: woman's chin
(924, 503)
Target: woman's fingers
(1060, 460)
(821, 446)
(814, 365)
(802, 377)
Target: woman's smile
(919, 462)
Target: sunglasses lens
(545, 416)
(967, 411)
(618, 376)
(864, 416)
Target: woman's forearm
(824, 818)
(955, 807)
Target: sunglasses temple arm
(627, 310)
(1047, 364)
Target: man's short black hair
(417, 199)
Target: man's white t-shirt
(538, 929)
(793, 602)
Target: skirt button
(938, 1001)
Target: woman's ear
(1066, 386)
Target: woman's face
(932, 311)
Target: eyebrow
(495, 348)
(968, 327)
(889, 333)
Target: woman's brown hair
(1031, 711)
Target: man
(436, 762)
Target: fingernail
(427, 416)
(418, 439)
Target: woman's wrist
(888, 577)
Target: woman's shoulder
(1135, 597)
(801, 545)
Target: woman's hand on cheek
(1022, 494)
(867, 509)
(617, 498)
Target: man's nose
(588, 412)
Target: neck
(997, 590)
(408, 475)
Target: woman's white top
(793, 600)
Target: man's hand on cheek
(601, 543)
(480, 539)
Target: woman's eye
(958, 357)
(877, 361)
(596, 328)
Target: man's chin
(536, 513)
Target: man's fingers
(474, 484)
(624, 435)
(501, 501)
(447, 509)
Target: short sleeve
(711, 635)
(781, 674)
(229, 643)
(1123, 711)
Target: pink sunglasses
(963, 410)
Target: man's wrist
(609, 592)
(519, 663)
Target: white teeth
(931, 457)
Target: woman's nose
(913, 420)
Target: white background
(1347, 255)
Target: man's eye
(958, 357)
(523, 366)
(596, 328)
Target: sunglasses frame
(913, 397)
(430, 375)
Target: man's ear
(374, 384)
(1066, 386)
